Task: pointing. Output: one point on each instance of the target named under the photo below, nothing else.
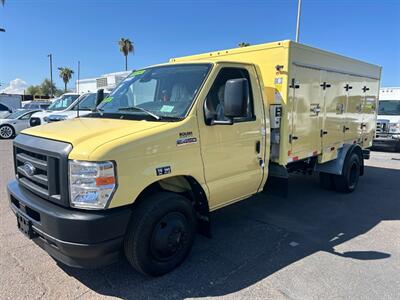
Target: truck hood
(87, 134)
(391, 119)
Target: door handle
(323, 132)
(363, 125)
(258, 147)
(345, 128)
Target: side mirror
(236, 98)
(99, 96)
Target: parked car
(5, 110)
(15, 122)
(58, 105)
(86, 103)
(37, 105)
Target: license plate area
(25, 226)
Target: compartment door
(306, 112)
(333, 110)
(353, 110)
(370, 94)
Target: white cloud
(16, 86)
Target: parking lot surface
(313, 244)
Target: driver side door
(233, 154)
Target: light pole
(298, 21)
(50, 56)
(79, 74)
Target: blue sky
(89, 30)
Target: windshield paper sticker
(163, 170)
(138, 72)
(107, 100)
(167, 108)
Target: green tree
(126, 46)
(243, 44)
(65, 75)
(33, 90)
(45, 87)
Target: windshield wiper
(136, 108)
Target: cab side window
(215, 98)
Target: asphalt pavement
(313, 244)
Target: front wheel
(347, 182)
(6, 132)
(161, 233)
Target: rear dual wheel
(161, 233)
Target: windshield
(157, 93)
(88, 102)
(389, 107)
(63, 102)
(16, 114)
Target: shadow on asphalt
(262, 235)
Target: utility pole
(79, 75)
(50, 56)
(298, 21)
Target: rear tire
(7, 132)
(347, 182)
(326, 181)
(161, 233)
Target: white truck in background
(388, 119)
(9, 103)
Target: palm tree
(126, 46)
(65, 75)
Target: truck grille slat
(22, 157)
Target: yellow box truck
(140, 175)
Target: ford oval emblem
(29, 169)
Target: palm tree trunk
(126, 62)
(65, 87)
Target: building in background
(389, 93)
(106, 81)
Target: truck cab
(388, 119)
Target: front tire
(347, 182)
(6, 132)
(161, 233)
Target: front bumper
(386, 141)
(85, 239)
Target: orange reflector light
(105, 180)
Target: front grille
(382, 126)
(41, 166)
(45, 167)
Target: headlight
(91, 184)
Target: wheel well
(191, 189)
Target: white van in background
(388, 119)
(59, 104)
